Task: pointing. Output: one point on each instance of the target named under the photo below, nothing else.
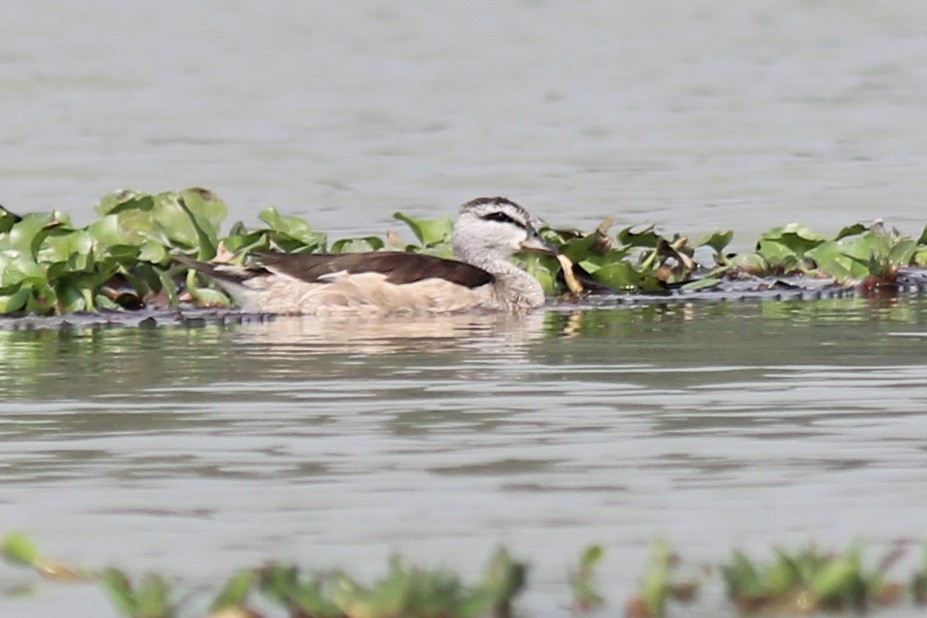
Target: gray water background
(195, 451)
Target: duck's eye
(501, 217)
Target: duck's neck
(515, 287)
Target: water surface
(695, 115)
(193, 451)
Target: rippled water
(193, 451)
(695, 115)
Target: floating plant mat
(123, 263)
(912, 282)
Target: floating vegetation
(809, 580)
(659, 585)
(123, 260)
(585, 591)
(793, 583)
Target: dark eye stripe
(501, 217)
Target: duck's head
(495, 228)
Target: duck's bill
(538, 244)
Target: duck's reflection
(377, 335)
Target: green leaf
(122, 200)
(701, 284)
(153, 252)
(153, 598)
(295, 228)
(19, 549)
(235, 591)
(778, 255)
(591, 557)
(505, 575)
(357, 245)
(26, 236)
(172, 221)
(19, 268)
(717, 241)
(72, 247)
(10, 303)
(7, 219)
(741, 577)
(838, 580)
(646, 238)
(902, 253)
(120, 593)
(832, 261)
(206, 212)
(205, 296)
(922, 240)
(751, 263)
(428, 231)
(618, 276)
(851, 230)
(656, 585)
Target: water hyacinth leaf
(851, 230)
(16, 301)
(245, 242)
(793, 233)
(124, 199)
(705, 283)
(106, 232)
(26, 236)
(72, 299)
(204, 296)
(922, 240)
(832, 260)
(19, 549)
(73, 247)
(294, 228)
(902, 253)
(717, 241)
(622, 276)
(7, 219)
(209, 210)
(43, 299)
(778, 255)
(619, 276)
(357, 245)
(174, 223)
(18, 268)
(751, 263)
(206, 212)
(646, 238)
(579, 249)
(153, 252)
(428, 231)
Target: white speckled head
(493, 228)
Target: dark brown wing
(398, 267)
(219, 272)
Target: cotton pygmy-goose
(486, 234)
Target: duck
(488, 231)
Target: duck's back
(375, 282)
